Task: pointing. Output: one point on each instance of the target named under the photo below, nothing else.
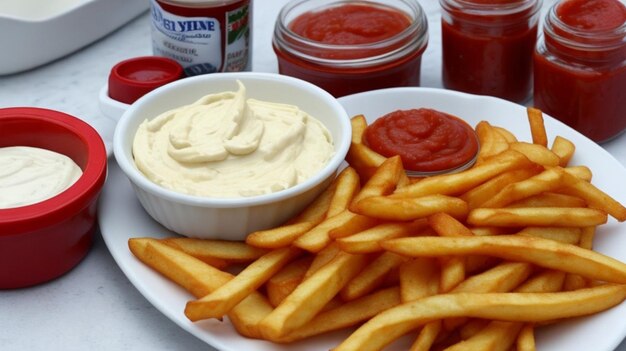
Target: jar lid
(131, 79)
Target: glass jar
(345, 67)
(580, 73)
(487, 46)
(203, 36)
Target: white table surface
(94, 307)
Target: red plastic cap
(133, 78)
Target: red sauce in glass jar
(580, 67)
(427, 140)
(487, 46)
(347, 48)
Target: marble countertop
(94, 306)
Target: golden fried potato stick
(359, 124)
(319, 236)
(446, 225)
(458, 183)
(367, 240)
(407, 209)
(496, 336)
(491, 141)
(427, 336)
(549, 199)
(482, 193)
(383, 181)
(286, 280)
(282, 236)
(595, 197)
(537, 127)
(322, 258)
(419, 278)
(586, 237)
(310, 297)
(452, 273)
(518, 307)
(566, 235)
(205, 249)
(372, 276)
(563, 148)
(347, 314)
(548, 180)
(200, 279)
(347, 186)
(316, 211)
(542, 252)
(537, 216)
(219, 302)
(538, 154)
(526, 338)
(506, 134)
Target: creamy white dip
(226, 145)
(29, 175)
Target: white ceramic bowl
(231, 218)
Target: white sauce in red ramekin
(29, 175)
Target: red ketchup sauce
(427, 140)
(347, 48)
(580, 67)
(487, 46)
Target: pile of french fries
(466, 261)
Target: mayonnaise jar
(225, 145)
(29, 175)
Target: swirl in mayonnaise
(225, 145)
(29, 175)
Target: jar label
(196, 42)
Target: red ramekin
(40, 242)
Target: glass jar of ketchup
(347, 47)
(580, 66)
(487, 46)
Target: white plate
(122, 217)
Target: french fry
(545, 181)
(543, 252)
(200, 279)
(496, 336)
(582, 172)
(531, 216)
(371, 277)
(549, 199)
(322, 258)
(319, 236)
(526, 338)
(491, 141)
(586, 237)
(346, 315)
(347, 186)
(426, 336)
(359, 124)
(364, 160)
(446, 225)
(595, 197)
(309, 298)
(458, 183)
(538, 154)
(506, 134)
(286, 280)
(223, 299)
(452, 273)
(521, 307)
(279, 237)
(367, 240)
(482, 193)
(316, 211)
(563, 148)
(383, 181)
(566, 235)
(537, 128)
(406, 209)
(419, 278)
(229, 251)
